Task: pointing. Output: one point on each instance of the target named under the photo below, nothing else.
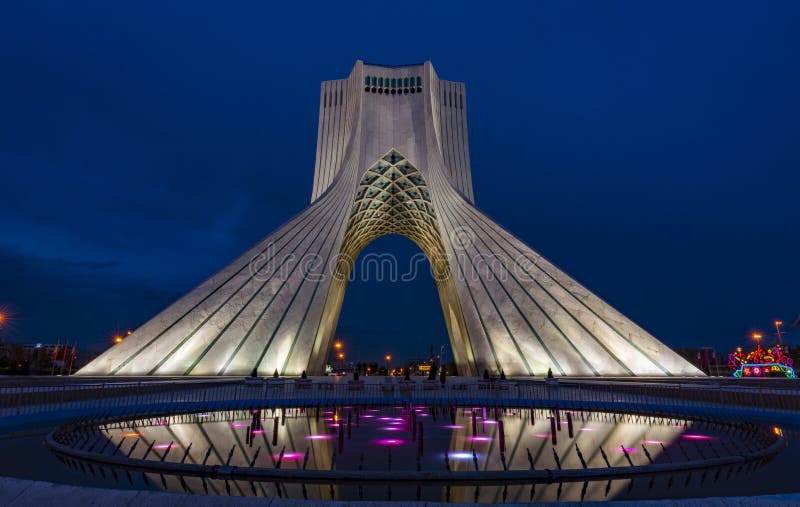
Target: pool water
(409, 438)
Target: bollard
(169, 448)
(533, 415)
(341, 437)
(255, 457)
(627, 456)
(569, 425)
(275, 431)
(280, 458)
(555, 457)
(530, 458)
(474, 424)
(605, 456)
(647, 453)
(558, 419)
(580, 456)
(553, 435)
(502, 436)
(349, 424)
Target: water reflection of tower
(596, 431)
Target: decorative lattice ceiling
(393, 198)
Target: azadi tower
(392, 158)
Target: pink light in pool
(586, 429)
(328, 412)
(161, 423)
(164, 446)
(629, 450)
(453, 427)
(290, 456)
(390, 428)
(479, 439)
(422, 415)
(318, 437)
(258, 432)
(697, 437)
(389, 441)
(652, 442)
(385, 419)
(489, 421)
(238, 425)
(543, 435)
(679, 427)
(367, 416)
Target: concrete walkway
(23, 493)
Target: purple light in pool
(328, 412)
(258, 432)
(453, 427)
(489, 421)
(164, 446)
(586, 429)
(385, 419)
(479, 439)
(543, 435)
(318, 437)
(390, 428)
(389, 441)
(692, 436)
(629, 450)
(238, 425)
(367, 416)
(290, 456)
(652, 442)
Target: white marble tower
(392, 157)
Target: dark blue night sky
(651, 151)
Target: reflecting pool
(404, 439)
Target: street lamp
(117, 339)
(757, 337)
(337, 345)
(778, 324)
(388, 358)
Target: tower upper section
(406, 107)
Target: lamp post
(388, 358)
(778, 324)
